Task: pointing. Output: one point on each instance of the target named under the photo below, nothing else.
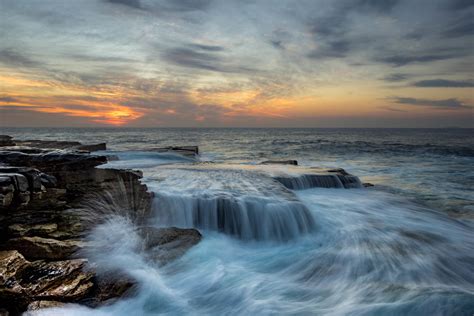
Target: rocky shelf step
(51, 195)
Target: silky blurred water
(402, 247)
(432, 166)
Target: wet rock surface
(167, 244)
(189, 151)
(51, 195)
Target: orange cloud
(100, 106)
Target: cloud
(388, 108)
(277, 44)
(402, 60)
(187, 57)
(384, 6)
(204, 58)
(442, 83)
(211, 48)
(462, 27)
(186, 5)
(452, 103)
(8, 99)
(11, 57)
(396, 77)
(135, 4)
(460, 4)
(332, 49)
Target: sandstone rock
(19, 230)
(167, 244)
(11, 263)
(13, 298)
(280, 162)
(33, 306)
(35, 248)
(66, 280)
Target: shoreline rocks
(51, 195)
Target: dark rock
(67, 280)
(35, 248)
(167, 244)
(52, 161)
(6, 140)
(280, 162)
(47, 144)
(11, 263)
(367, 185)
(340, 171)
(110, 287)
(13, 298)
(92, 147)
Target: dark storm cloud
(135, 4)
(442, 83)
(452, 103)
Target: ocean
(402, 247)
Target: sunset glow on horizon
(204, 63)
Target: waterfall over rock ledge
(246, 201)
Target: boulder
(35, 248)
(167, 244)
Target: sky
(247, 63)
